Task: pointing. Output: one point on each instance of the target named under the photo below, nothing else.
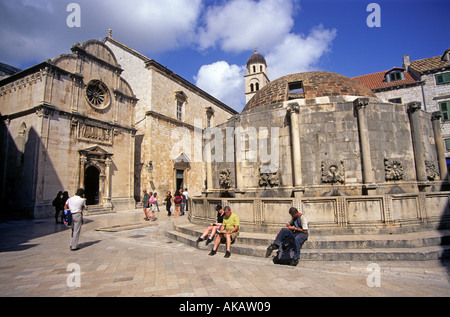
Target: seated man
(296, 228)
(229, 232)
(213, 227)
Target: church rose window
(97, 94)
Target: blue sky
(208, 42)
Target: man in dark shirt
(296, 228)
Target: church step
(97, 210)
(423, 245)
(434, 252)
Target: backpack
(285, 253)
(178, 200)
(67, 218)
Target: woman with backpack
(178, 200)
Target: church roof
(307, 85)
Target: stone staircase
(412, 246)
(97, 210)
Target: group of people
(227, 229)
(176, 204)
(150, 203)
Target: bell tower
(256, 77)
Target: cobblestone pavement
(35, 260)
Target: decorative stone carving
(393, 170)
(98, 95)
(432, 173)
(87, 132)
(333, 172)
(224, 179)
(268, 179)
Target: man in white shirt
(76, 205)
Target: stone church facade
(68, 123)
(107, 119)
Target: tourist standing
(57, 203)
(178, 200)
(76, 205)
(145, 203)
(168, 200)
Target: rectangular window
(296, 90)
(395, 100)
(442, 78)
(445, 110)
(394, 76)
(179, 110)
(447, 144)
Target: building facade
(171, 115)
(68, 123)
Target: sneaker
(213, 252)
(227, 254)
(294, 262)
(270, 249)
(208, 241)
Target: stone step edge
(367, 254)
(411, 240)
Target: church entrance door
(91, 185)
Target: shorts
(234, 235)
(152, 207)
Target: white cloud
(297, 53)
(239, 25)
(223, 81)
(33, 31)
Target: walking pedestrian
(76, 205)
(145, 204)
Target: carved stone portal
(333, 172)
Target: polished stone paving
(35, 260)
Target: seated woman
(213, 228)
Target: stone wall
(334, 215)
(343, 149)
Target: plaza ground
(35, 260)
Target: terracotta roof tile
(378, 80)
(431, 63)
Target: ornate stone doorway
(95, 175)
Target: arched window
(254, 68)
(252, 88)
(257, 86)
